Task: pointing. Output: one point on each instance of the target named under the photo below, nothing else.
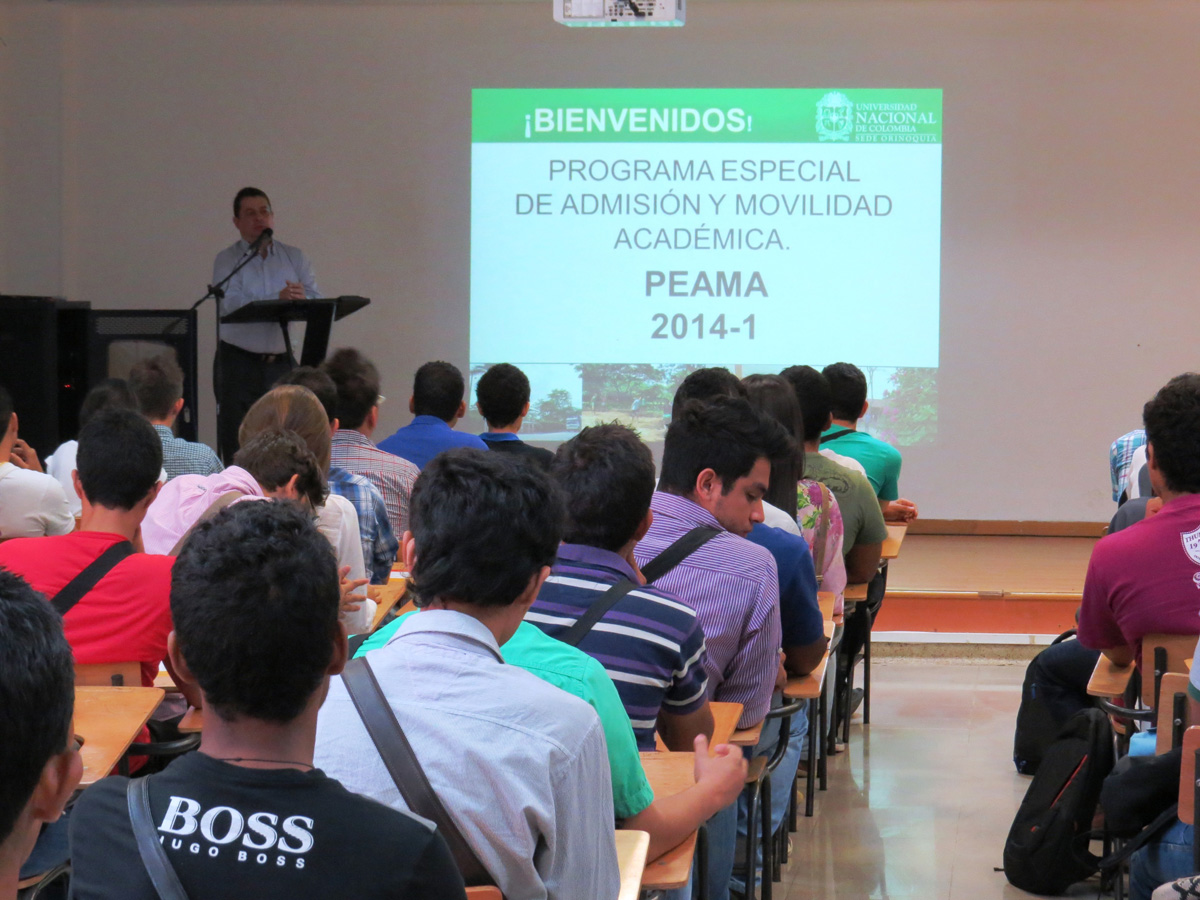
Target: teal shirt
(575, 672)
(879, 458)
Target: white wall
(1069, 237)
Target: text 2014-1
(680, 327)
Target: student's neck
(257, 744)
(812, 446)
(362, 429)
(6, 447)
(511, 428)
(124, 522)
(168, 422)
(499, 620)
(852, 424)
(11, 860)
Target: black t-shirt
(539, 456)
(232, 831)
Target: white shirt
(845, 461)
(32, 504)
(520, 765)
(338, 521)
(775, 517)
(1133, 487)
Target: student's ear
(412, 405)
(531, 589)
(12, 426)
(177, 408)
(372, 419)
(290, 490)
(524, 410)
(462, 410)
(77, 484)
(408, 550)
(708, 485)
(334, 426)
(341, 653)
(147, 500)
(864, 409)
(644, 526)
(478, 410)
(60, 776)
(178, 663)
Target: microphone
(265, 235)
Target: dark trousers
(860, 620)
(245, 377)
(1061, 673)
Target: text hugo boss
(259, 833)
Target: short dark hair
(119, 458)
(483, 525)
(848, 390)
(724, 434)
(1172, 420)
(156, 383)
(812, 392)
(502, 392)
(254, 602)
(6, 411)
(438, 390)
(357, 383)
(705, 384)
(606, 475)
(773, 396)
(243, 194)
(111, 393)
(37, 693)
(319, 383)
(274, 455)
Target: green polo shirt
(862, 518)
(575, 672)
(879, 458)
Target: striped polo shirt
(650, 644)
(733, 586)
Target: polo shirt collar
(352, 437)
(243, 245)
(582, 554)
(497, 436)
(430, 422)
(464, 631)
(677, 507)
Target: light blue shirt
(520, 765)
(425, 438)
(261, 279)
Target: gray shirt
(520, 765)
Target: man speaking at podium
(253, 355)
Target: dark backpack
(1047, 847)
(1040, 717)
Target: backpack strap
(213, 508)
(833, 436)
(1143, 837)
(596, 611)
(678, 552)
(404, 767)
(75, 589)
(154, 857)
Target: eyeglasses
(379, 399)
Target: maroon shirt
(1145, 579)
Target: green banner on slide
(707, 115)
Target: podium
(318, 315)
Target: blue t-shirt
(799, 613)
(650, 643)
(425, 438)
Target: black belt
(258, 357)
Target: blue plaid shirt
(182, 457)
(1120, 455)
(378, 542)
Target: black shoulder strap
(74, 590)
(596, 611)
(678, 552)
(833, 436)
(1143, 837)
(150, 849)
(402, 764)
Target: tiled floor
(920, 803)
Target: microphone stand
(217, 293)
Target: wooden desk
(631, 860)
(670, 773)
(891, 546)
(164, 680)
(747, 737)
(1108, 679)
(386, 596)
(725, 719)
(192, 721)
(108, 719)
(855, 592)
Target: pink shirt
(184, 499)
(1145, 579)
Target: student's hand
(1153, 505)
(781, 676)
(294, 290)
(24, 456)
(350, 601)
(901, 511)
(723, 773)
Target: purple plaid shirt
(354, 452)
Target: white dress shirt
(32, 504)
(261, 279)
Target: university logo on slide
(835, 117)
(1191, 544)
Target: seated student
(436, 404)
(668, 820)
(38, 757)
(848, 389)
(32, 503)
(357, 383)
(1120, 460)
(379, 544)
(255, 601)
(111, 393)
(158, 385)
(502, 398)
(519, 764)
(126, 616)
(650, 643)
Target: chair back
(484, 893)
(1187, 776)
(121, 674)
(1163, 653)
(1174, 712)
